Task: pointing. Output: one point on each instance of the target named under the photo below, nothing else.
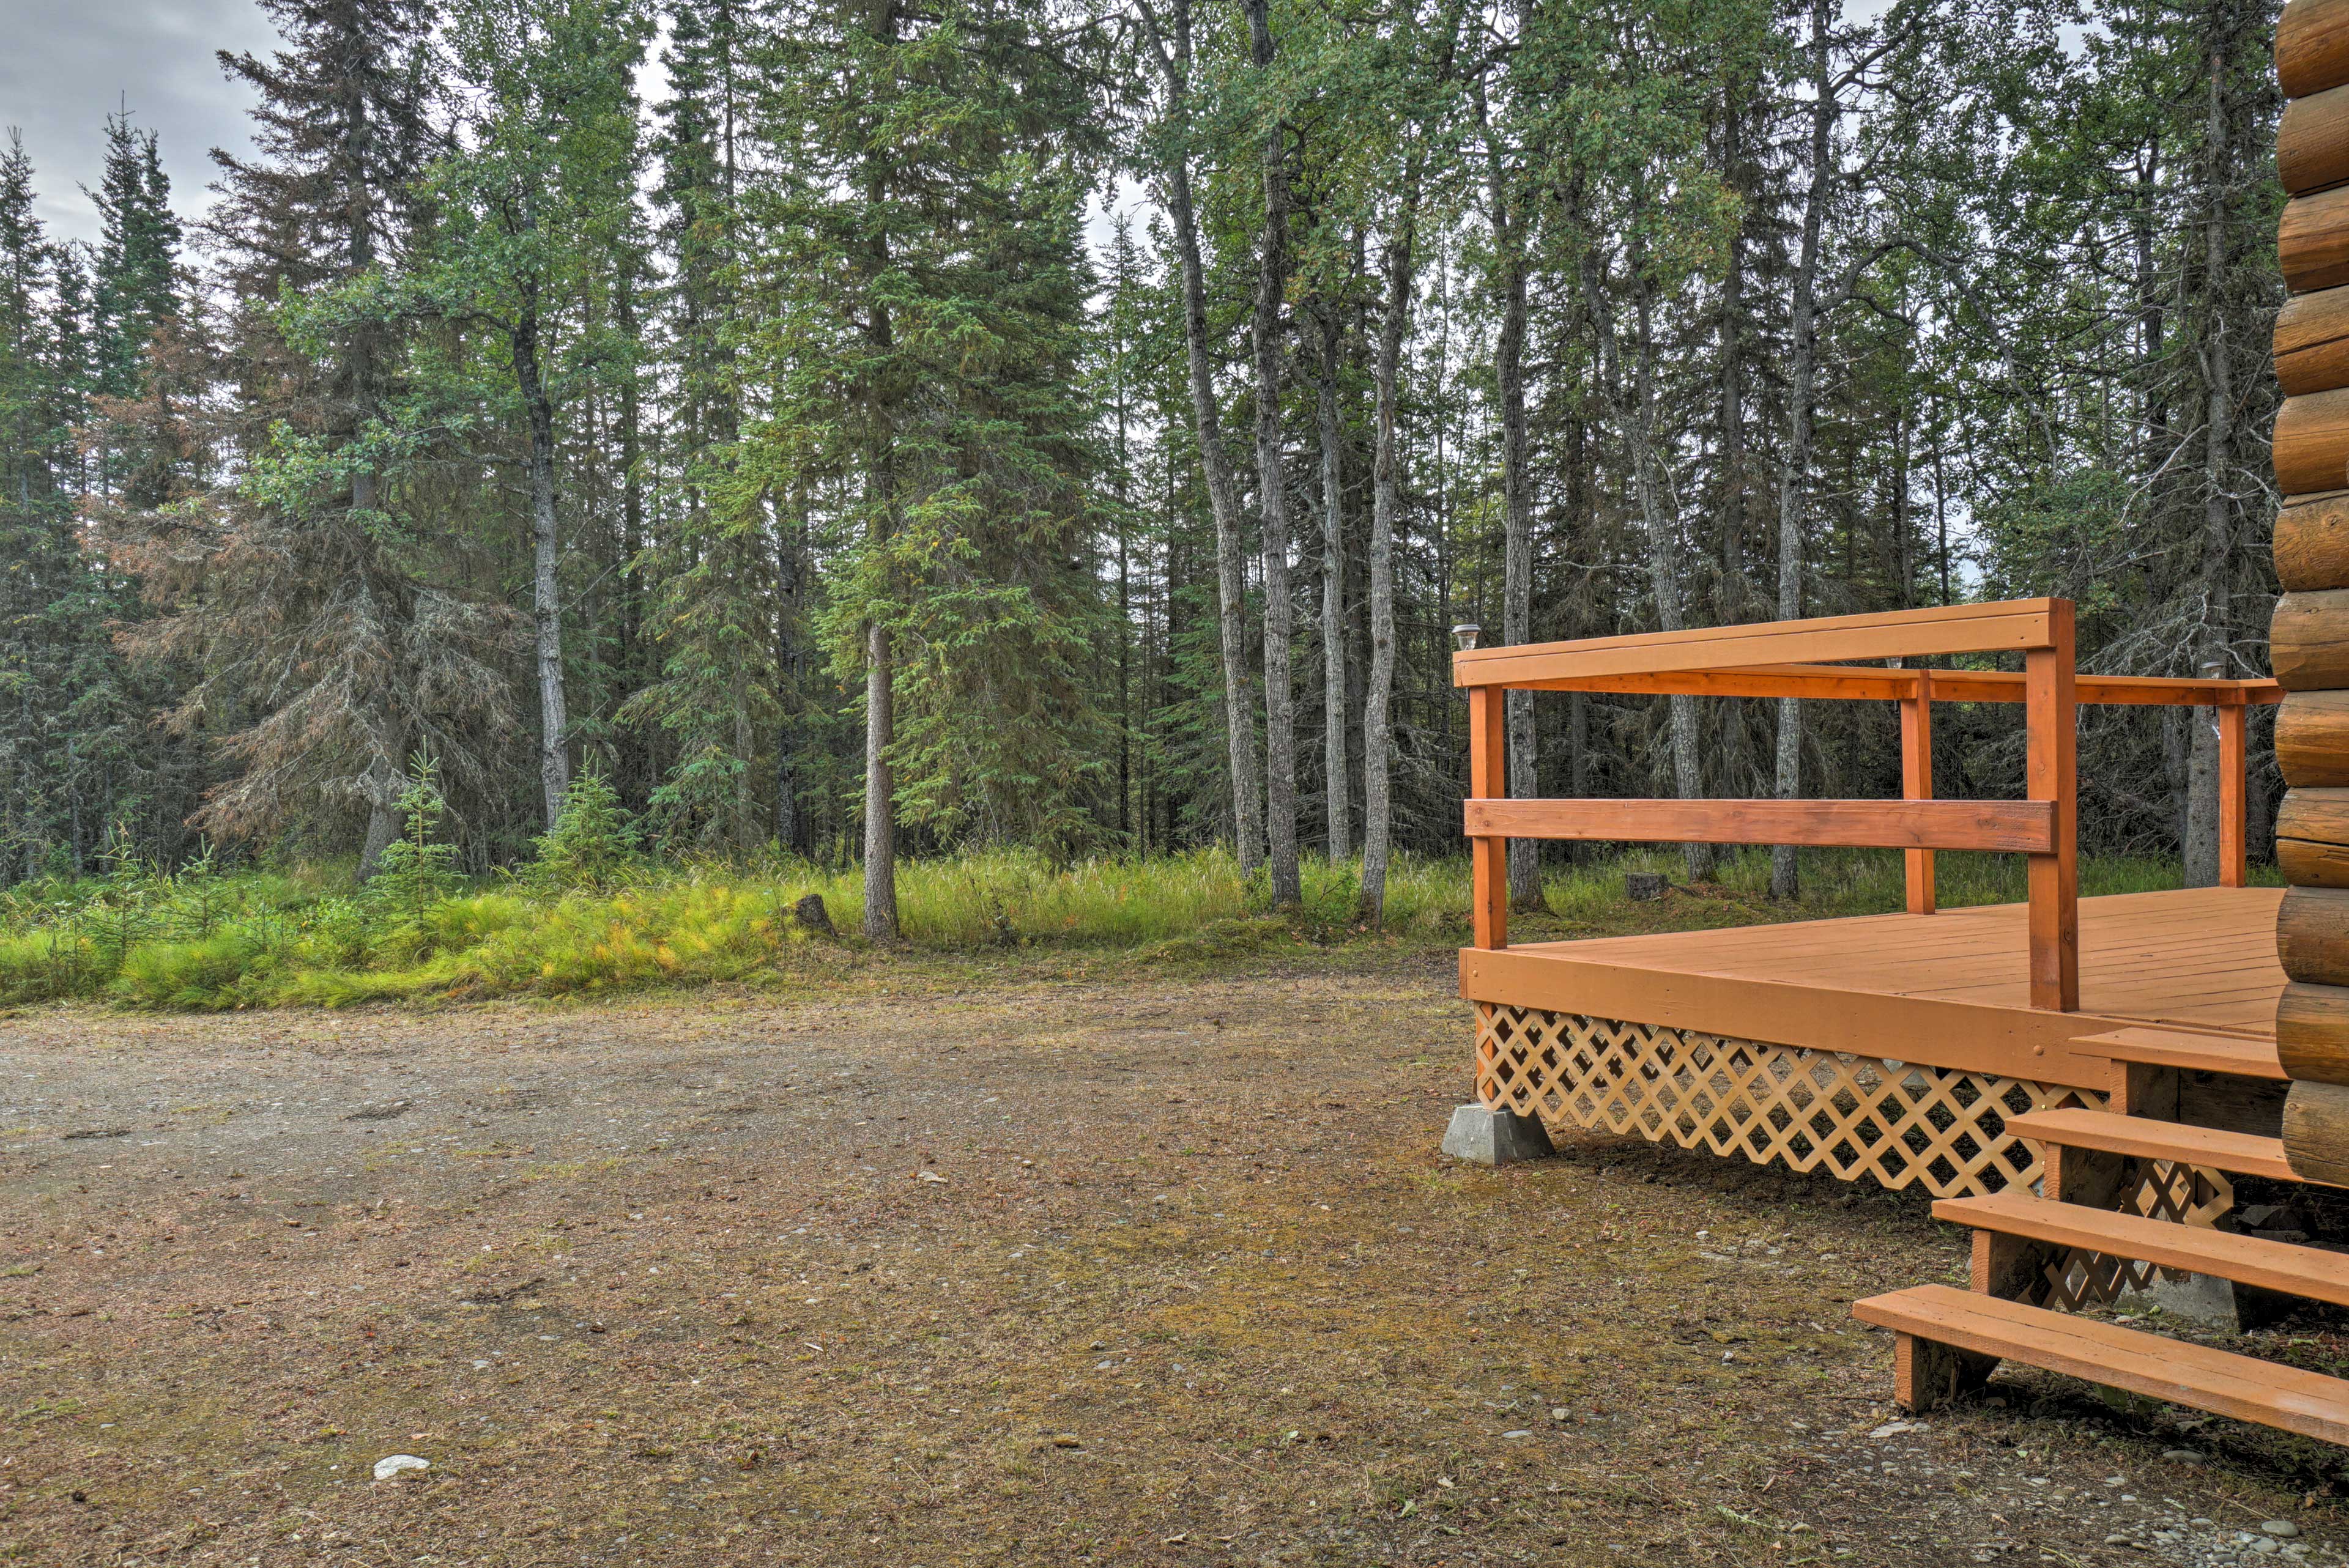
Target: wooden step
(2249, 1391)
(2280, 1267)
(2180, 1049)
(2245, 1153)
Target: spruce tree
(136, 263)
(311, 593)
(722, 639)
(538, 212)
(925, 357)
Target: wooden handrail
(1802, 660)
(2013, 625)
(1754, 658)
(2016, 827)
(1868, 682)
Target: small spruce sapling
(417, 871)
(593, 839)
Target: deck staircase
(2033, 1250)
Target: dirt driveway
(1028, 1273)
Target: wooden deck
(1950, 989)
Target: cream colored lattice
(1900, 1124)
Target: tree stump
(1644, 886)
(813, 916)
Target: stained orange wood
(1917, 784)
(2150, 1138)
(2193, 1249)
(2016, 827)
(1862, 682)
(2233, 871)
(2008, 626)
(2190, 1050)
(1489, 778)
(2311, 46)
(1951, 988)
(2051, 773)
(2153, 1364)
(2312, 241)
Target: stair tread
(2183, 1048)
(2176, 1371)
(2245, 1153)
(2293, 1270)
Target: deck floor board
(2200, 958)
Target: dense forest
(876, 429)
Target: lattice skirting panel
(1900, 1124)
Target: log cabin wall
(2309, 639)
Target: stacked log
(2309, 638)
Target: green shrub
(417, 871)
(55, 962)
(222, 970)
(593, 840)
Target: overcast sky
(65, 65)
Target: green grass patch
(201, 940)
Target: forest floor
(946, 1267)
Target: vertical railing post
(1488, 780)
(2232, 871)
(1916, 783)
(2050, 705)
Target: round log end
(2316, 1132)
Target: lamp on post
(1464, 635)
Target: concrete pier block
(1490, 1137)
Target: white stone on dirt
(392, 1465)
(1484, 1136)
(2283, 1527)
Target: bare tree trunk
(1785, 878)
(2212, 586)
(1272, 489)
(1333, 595)
(880, 790)
(881, 502)
(546, 611)
(382, 785)
(1172, 48)
(1505, 213)
(1728, 602)
(1386, 506)
(1656, 517)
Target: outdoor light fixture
(1464, 635)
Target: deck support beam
(2052, 768)
(1488, 780)
(2233, 870)
(1917, 784)
(1925, 1375)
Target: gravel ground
(1127, 1271)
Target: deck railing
(1804, 659)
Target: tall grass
(202, 940)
